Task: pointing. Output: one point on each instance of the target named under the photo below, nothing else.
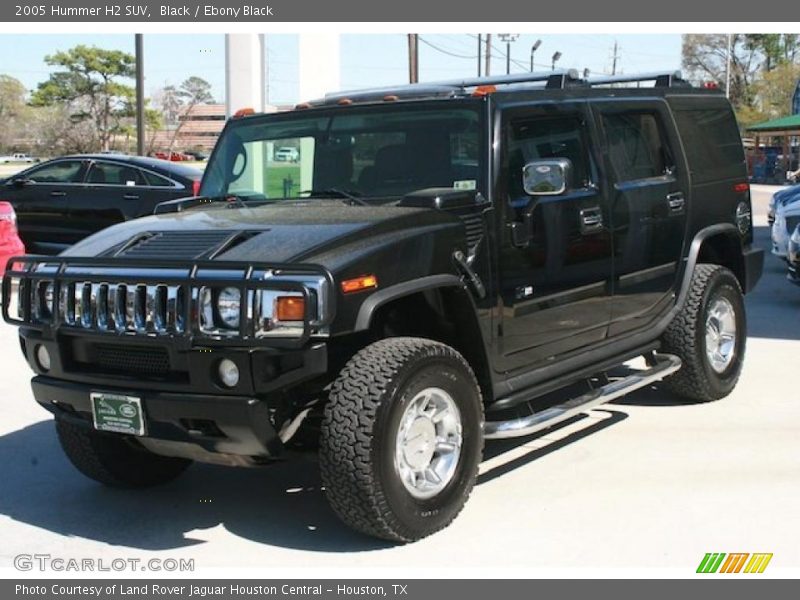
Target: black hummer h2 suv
(443, 264)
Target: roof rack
(661, 79)
(549, 80)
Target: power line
(448, 52)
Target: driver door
(556, 287)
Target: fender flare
(694, 252)
(399, 290)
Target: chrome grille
(123, 307)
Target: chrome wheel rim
(720, 334)
(428, 443)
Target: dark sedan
(62, 201)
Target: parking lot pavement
(648, 481)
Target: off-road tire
(115, 460)
(685, 337)
(359, 430)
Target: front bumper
(229, 430)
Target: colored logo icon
(737, 562)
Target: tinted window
(114, 174)
(156, 180)
(636, 146)
(63, 171)
(544, 138)
(373, 151)
(712, 143)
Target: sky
(366, 60)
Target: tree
(705, 58)
(773, 92)
(12, 109)
(89, 86)
(193, 91)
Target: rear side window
(712, 143)
(636, 146)
(154, 180)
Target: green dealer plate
(118, 413)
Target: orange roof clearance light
(484, 90)
(358, 284)
(244, 112)
(344, 102)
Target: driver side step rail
(661, 366)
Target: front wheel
(709, 336)
(402, 438)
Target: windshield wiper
(349, 195)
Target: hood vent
(180, 245)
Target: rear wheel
(709, 336)
(402, 438)
(116, 460)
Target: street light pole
(534, 48)
(556, 56)
(728, 68)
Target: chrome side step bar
(664, 365)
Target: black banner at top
(463, 11)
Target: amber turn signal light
(290, 308)
(359, 283)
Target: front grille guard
(160, 298)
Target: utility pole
(480, 50)
(508, 38)
(413, 58)
(488, 66)
(139, 94)
(614, 58)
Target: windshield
(368, 152)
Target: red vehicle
(10, 244)
(172, 156)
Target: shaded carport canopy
(778, 127)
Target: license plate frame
(117, 413)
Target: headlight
(743, 218)
(220, 310)
(796, 235)
(229, 304)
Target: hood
(285, 232)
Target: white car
(287, 154)
(18, 157)
(787, 218)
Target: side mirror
(546, 177)
(19, 182)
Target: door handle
(676, 202)
(131, 197)
(591, 219)
(58, 194)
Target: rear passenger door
(649, 201)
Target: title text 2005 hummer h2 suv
(444, 264)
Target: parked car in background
(287, 154)
(62, 201)
(173, 156)
(787, 218)
(10, 244)
(197, 155)
(18, 157)
(781, 198)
